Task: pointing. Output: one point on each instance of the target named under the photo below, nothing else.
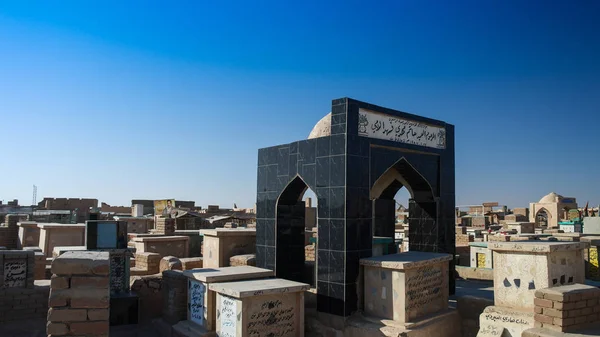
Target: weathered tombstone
(521, 268)
(202, 301)
(17, 269)
(261, 308)
(409, 288)
(222, 243)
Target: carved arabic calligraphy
(376, 125)
(274, 318)
(423, 287)
(15, 274)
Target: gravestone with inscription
(202, 303)
(521, 268)
(406, 287)
(260, 308)
(16, 269)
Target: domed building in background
(551, 209)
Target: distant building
(81, 207)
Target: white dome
(322, 128)
(551, 198)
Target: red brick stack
(567, 308)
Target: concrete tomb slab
(59, 250)
(272, 307)
(29, 234)
(52, 235)
(177, 245)
(406, 287)
(222, 243)
(202, 301)
(520, 268)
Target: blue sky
(140, 99)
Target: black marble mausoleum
(355, 172)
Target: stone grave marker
(202, 301)
(271, 307)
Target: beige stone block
(563, 321)
(564, 305)
(538, 310)
(554, 312)
(543, 303)
(543, 318)
(85, 328)
(93, 302)
(66, 315)
(98, 314)
(59, 282)
(81, 263)
(83, 282)
(57, 329)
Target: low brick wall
(146, 264)
(242, 260)
(149, 289)
(567, 308)
(463, 239)
(79, 295)
(24, 303)
(174, 296)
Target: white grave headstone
(196, 295)
(15, 274)
(228, 317)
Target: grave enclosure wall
(9, 235)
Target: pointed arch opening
(542, 216)
(389, 220)
(296, 216)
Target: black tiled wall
(341, 169)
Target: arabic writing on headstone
(15, 274)
(228, 317)
(424, 286)
(117, 273)
(196, 295)
(275, 318)
(376, 125)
